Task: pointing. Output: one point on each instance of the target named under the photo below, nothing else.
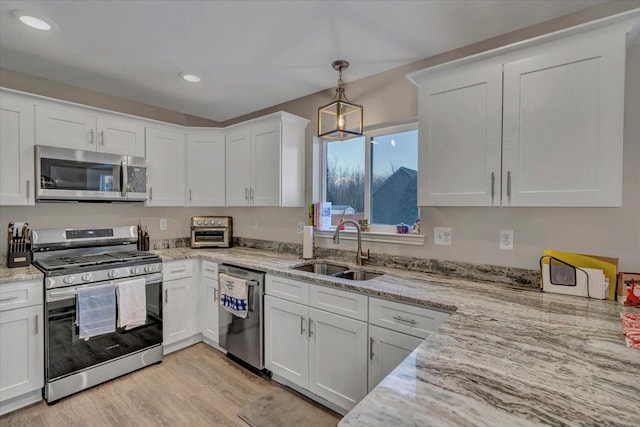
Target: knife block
(19, 259)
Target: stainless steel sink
(335, 270)
(357, 275)
(324, 268)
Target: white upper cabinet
(265, 162)
(205, 168)
(165, 167)
(82, 129)
(536, 126)
(16, 150)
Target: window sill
(398, 239)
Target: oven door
(66, 353)
(65, 174)
(214, 237)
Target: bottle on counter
(145, 240)
(140, 242)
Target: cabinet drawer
(349, 304)
(177, 270)
(410, 319)
(287, 289)
(20, 294)
(210, 270)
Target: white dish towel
(132, 303)
(96, 311)
(234, 295)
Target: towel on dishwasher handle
(96, 311)
(132, 303)
(234, 293)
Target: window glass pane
(394, 178)
(345, 179)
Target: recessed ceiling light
(190, 77)
(33, 21)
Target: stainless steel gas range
(76, 264)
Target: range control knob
(112, 274)
(199, 222)
(148, 268)
(219, 223)
(135, 270)
(86, 277)
(69, 280)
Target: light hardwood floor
(197, 386)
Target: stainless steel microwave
(77, 175)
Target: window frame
(368, 134)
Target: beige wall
(388, 98)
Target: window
(373, 177)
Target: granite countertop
(506, 355)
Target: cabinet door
(209, 312)
(21, 352)
(563, 123)
(265, 164)
(337, 358)
(460, 136)
(206, 169)
(386, 350)
(121, 137)
(65, 129)
(177, 310)
(238, 167)
(286, 346)
(16, 150)
(165, 168)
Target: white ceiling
(250, 54)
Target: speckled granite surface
(507, 356)
(8, 275)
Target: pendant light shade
(341, 119)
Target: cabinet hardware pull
(178, 271)
(371, 353)
(150, 193)
(37, 327)
(8, 299)
(28, 188)
(166, 296)
(209, 270)
(310, 323)
(190, 195)
(246, 193)
(509, 185)
(102, 138)
(493, 186)
(251, 192)
(91, 137)
(402, 319)
(302, 325)
(215, 294)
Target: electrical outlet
(163, 224)
(506, 239)
(442, 236)
(300, 227)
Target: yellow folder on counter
(609, 266)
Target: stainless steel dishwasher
(244, 337)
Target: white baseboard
(310, 395)
(21, 401)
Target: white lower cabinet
(21, 345)
(209, 298)
(179, 305)
(386, 350)
(319, 351)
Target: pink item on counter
(631, 329)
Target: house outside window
(373, 177)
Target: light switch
(163, 224)
(442, 236)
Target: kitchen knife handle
(371, 353)
(28, 188)
(302, 319)
(493, 186)
(102, 138)
(509, 185)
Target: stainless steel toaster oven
(211, 231)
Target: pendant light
(340, 119)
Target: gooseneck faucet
(360, 257)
